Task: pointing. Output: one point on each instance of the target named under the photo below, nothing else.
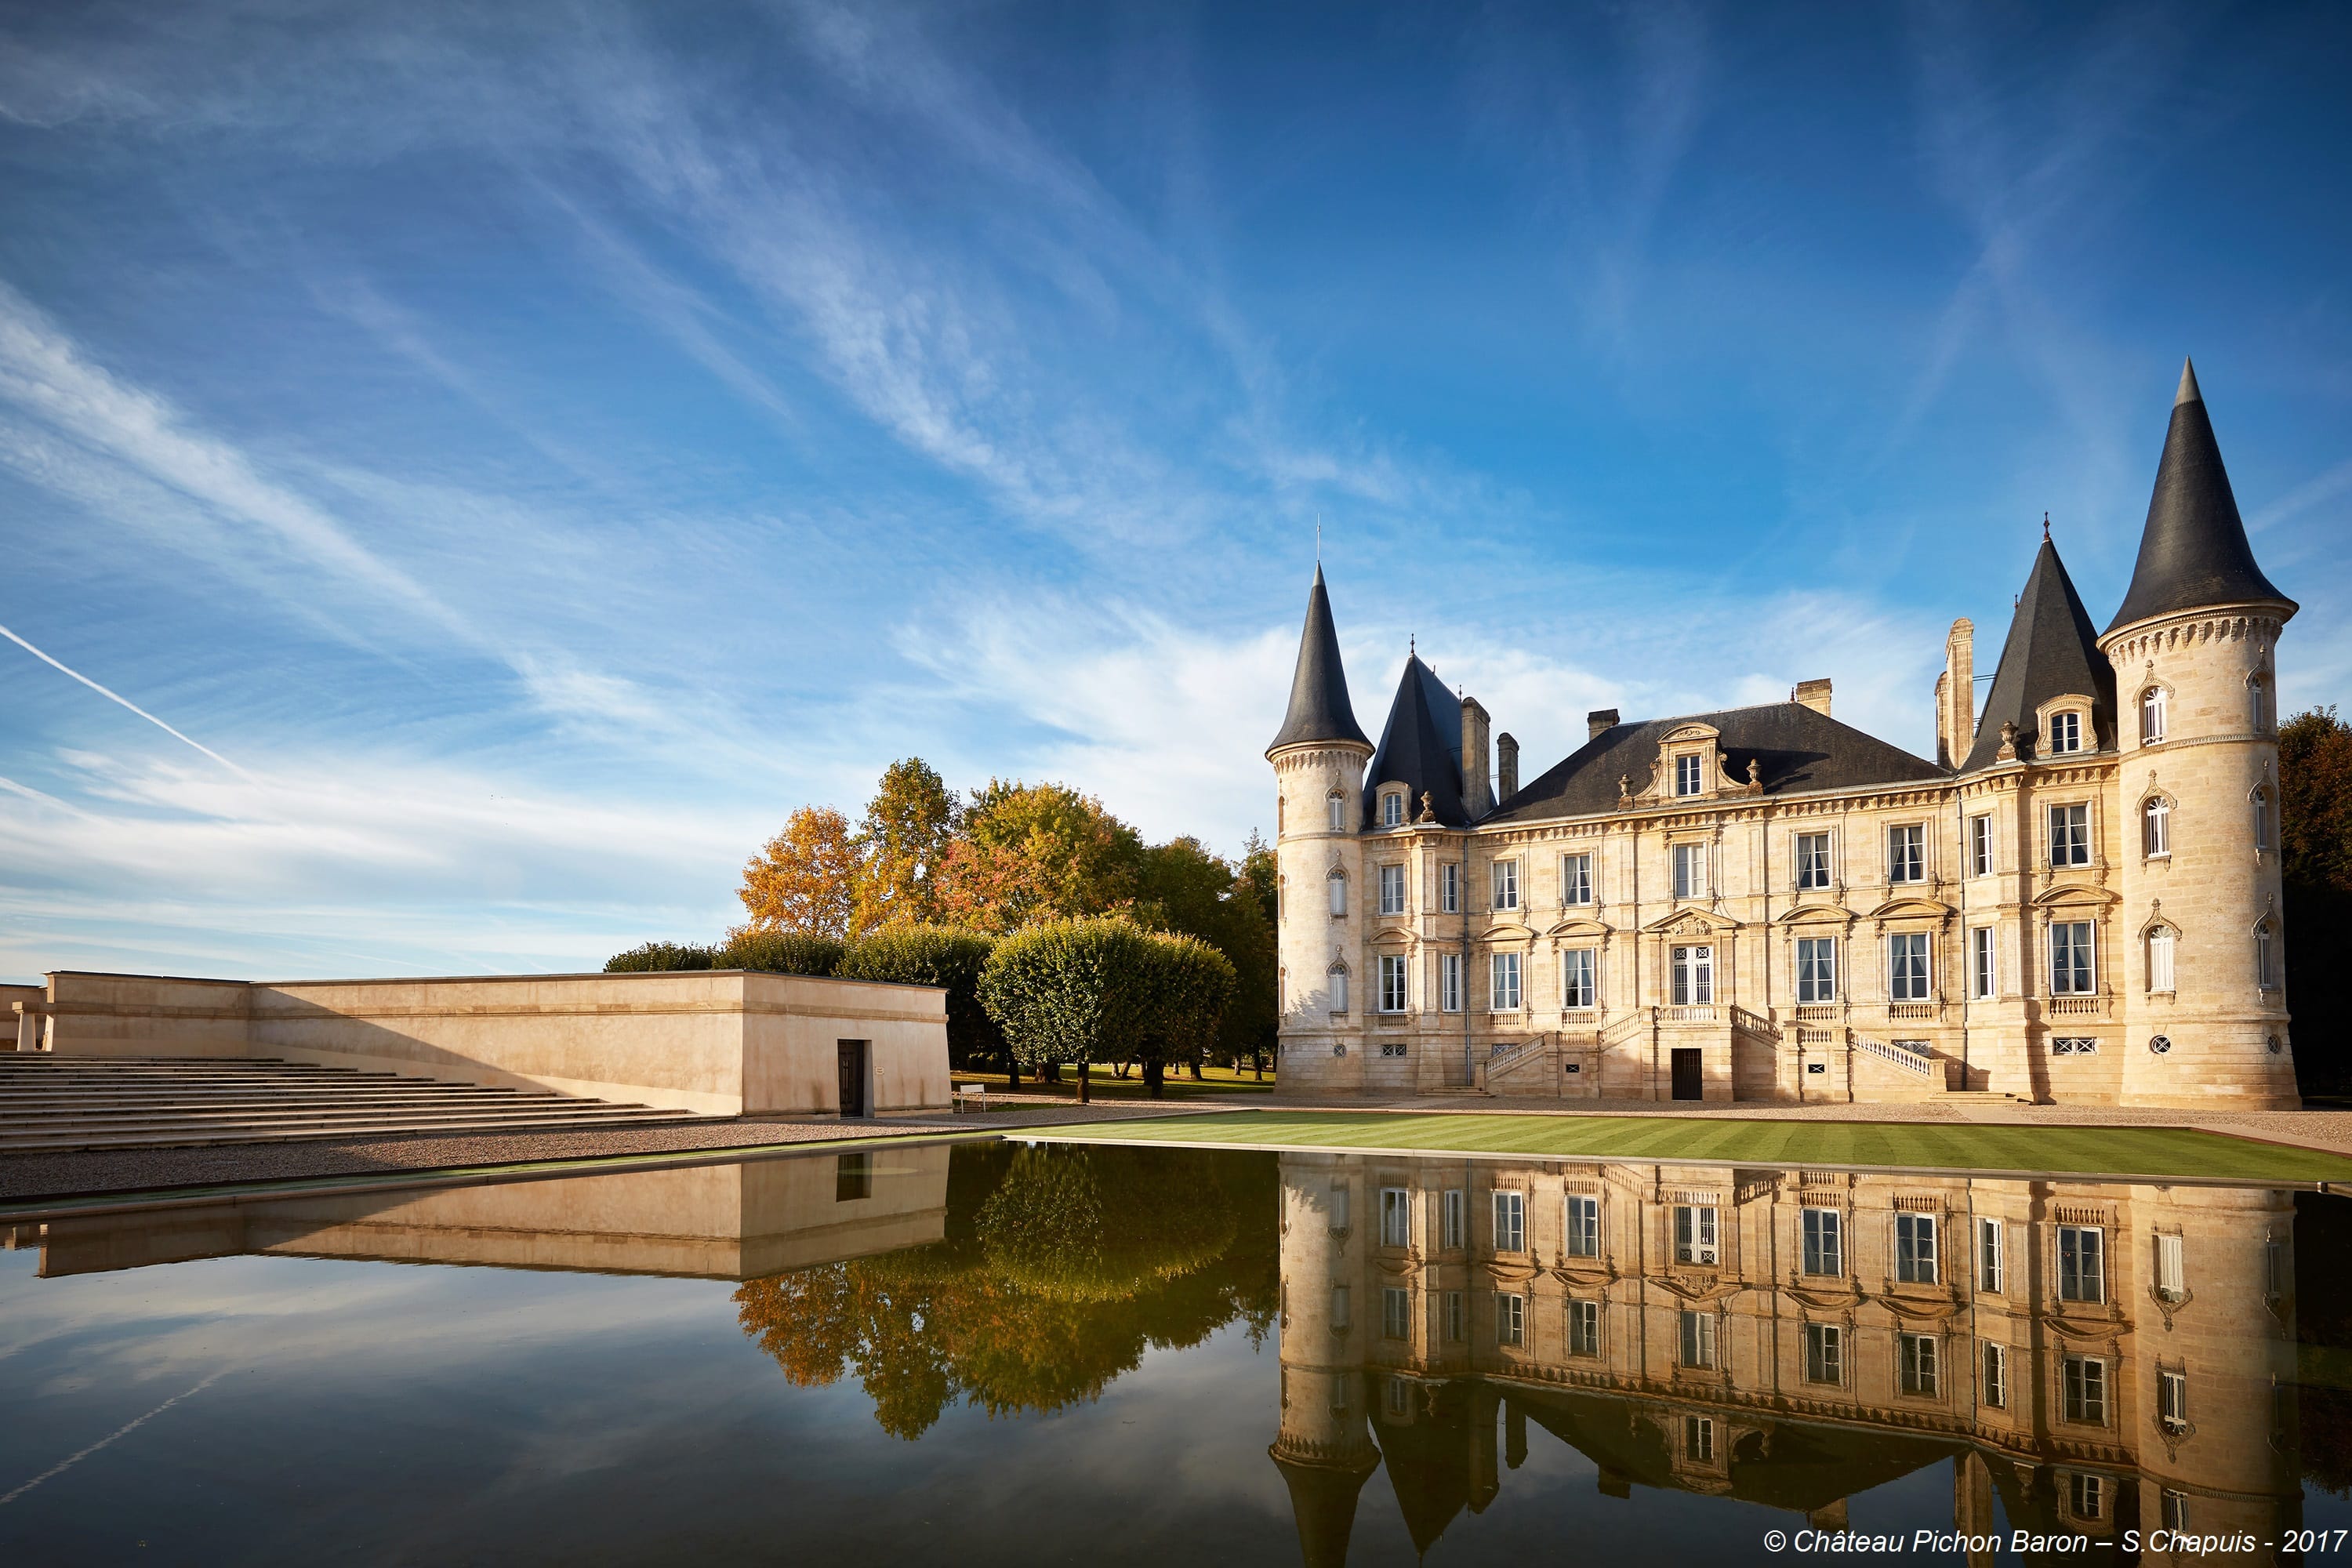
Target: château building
(2076, 901)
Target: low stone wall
(719, 1042)
(20, 1030)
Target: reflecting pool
(1023, 1352)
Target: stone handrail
(1754, 1023)
(1626, 1027)
(1692, 1012)
(1903, 1057)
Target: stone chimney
(1507, 766)
(1956, 694)
(1474, 758)
(1597, 720)
(1815, 695)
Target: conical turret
(2193, 552)
(1319, 709)
(2052, 651)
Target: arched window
(2151, 715)
(1338, 881)
(1338, 805)
(2159, 959)
(2258, 711)
(1280, 814)
(2261, 820)
(2156, 827)
(2065, 732)
(1339, 978)
(2266, 957)
(1392, 809)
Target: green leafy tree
(658, 957)
(901, 846)
(1193, 985)
(780, 953)
(1197, 893)
(946, 957)
(1079, 991)
(2315, 868)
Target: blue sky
(530, 448)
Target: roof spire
(2193, 552)
(2045, 528)
(1319, 709)
(2052, 651)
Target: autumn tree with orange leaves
(801, 882)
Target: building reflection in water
(2098, 1357)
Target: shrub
(941, 956)
(1073, 991)
(780, 953)
(658, 957)
(1193, 984)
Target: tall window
(1457, 1318)
(2070, 835)
(1698, 1439)
(1686, 775)
(1583, 1226)
(2086, 1496)
(2065, 732)
(1449, 983)
(1994, 1390)
(1510, 1221)
(1392, 966)
(1576, 988)
(1341, 1308)
(1392, 890)
(2072, 962)
(1980, 846)
(1338, 883)
(1510, 1318)
(1396, 1217)
(1824, 1242)
(1813, 861)
(1449, 888)
(2085, 1380)
(1336, 811)
(2172, 1510)
(1817, 969)
(1506, 994)
(2257, 703)
(2156, 827)
(1583, 1328)
(1694, 976)
(1695, 1233)
(1907, 854)
(1698, 1339)
(1575, 879)
(1396, 1313)
(1918, 1352)
(1453, 1228)
(2171, 1272)
(1906, 966)
(1339, 979)
(1991, 1264)
(2172, 1399)
(1914, 1249)
(1392, 810)
(2151, 715)
(2082, 1263)
(1824, 1353)
(2261, 820)
(1983, 974)
(2266, 957)
(1506, 875)
(2159, 959)
(1690, 870)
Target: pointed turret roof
(2193, 552)
(1319, 709)
(2051, 651)
(1323, 1504)
(1421, 748)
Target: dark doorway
(1687, 1085)
(853, 1078)
(853, 1177)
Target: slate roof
(1421, 748)
(1800, 748)
(1319, 709)
(2051, 651)
(1323, 1506)
(2193, 552)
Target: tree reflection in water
(1060, 1267)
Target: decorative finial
(1318, 539)
(1412, 646)
(2045, 528)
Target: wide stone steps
(52, 1104)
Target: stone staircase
(54, 1103)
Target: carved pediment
(1815, 914)
(1699, 1290)
(1691, 922)
(1508, 930)
(2074, 893)
(1685, 732)
(1911, 907)
(1579, 925)
(1392, 938)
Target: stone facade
(2077, 901)
(2099, 1357)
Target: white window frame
(1336, 981)
(1454, 1220)
(1981, 859)
(1582, 1231)
(1817, 970)
(1906, 853)
(1688, 774)
(1917, 1261)
(2163, 949)
(2083, 1390)
(1338, 884)
(1698, 1235)
(1396, 1313)
(1449, 983)
(1510, 1319)
(1910, 966)
(2265, 957)
(1394, 969)
(1510, 1231)
(1336, 813)
(1503, 876)
(2258, 709)
(2083, 1264)
(1449, 888)
(1690, 870)
(1694, 975)
(2171, 1268)
(1992, 1263)
(1396, 1216)
(1697, 1349)
(1984, 964)
(2172, 1399)
(2065, 732)
(1391, 808)
(1823, 1236)
(1825, 1355)
(2074, 958)
(2156, 829)
(1920, 1365)
(1814, 869)
(1580, 978)
(1583, 1326)
(2261, 803)
(1504, 994)
(1392, 890)
(2070, 835)
(1993, 1372)
(1698, 1439)
(2154, 710)
(1576, 879)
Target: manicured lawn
(2153, 1151)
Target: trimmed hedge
(941, 956)
(780, 953)
(657, 958)
(1104, 991)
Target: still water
(1018, 1353)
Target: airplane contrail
(115, 697)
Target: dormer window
(1392, 809)
(2151, 716)
(1686, 775)
(2065, 733)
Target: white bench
(971, 1097)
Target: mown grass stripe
(2156, 1151)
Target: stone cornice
(2162, 634)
